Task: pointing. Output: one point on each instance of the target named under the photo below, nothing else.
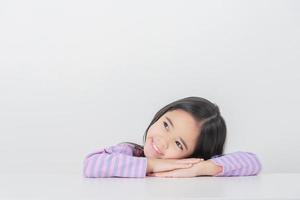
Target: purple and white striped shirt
(121, 160)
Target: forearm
(114, 165)
(149, 165)
(238, 164)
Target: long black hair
(212, 135)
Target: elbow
(256, 164)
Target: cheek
(150, 134)
(153, 130)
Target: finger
(190, 160)
(175, 166)
(187, 161)
(184, 165)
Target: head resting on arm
(188, 127)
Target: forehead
(184, 125)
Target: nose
(163, 143)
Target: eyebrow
(170, 121)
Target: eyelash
(179, 145)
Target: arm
(235, 164)
(115, 161)
(160, 165)
(208, 168)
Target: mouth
(155, 148)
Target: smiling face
(173, 135)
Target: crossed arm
(182, 168)
(118, 161)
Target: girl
(184, 139)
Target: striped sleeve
(115, 161)
(238, 164)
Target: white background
(79, 75)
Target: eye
(166, 125)
(179, 145)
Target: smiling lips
(156, 148)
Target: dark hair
(213, 128)
(212, 135)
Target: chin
(149, 154)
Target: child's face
(166, 141)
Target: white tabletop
(74, 186)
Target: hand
(204, 168)
(160, 165)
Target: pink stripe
(121, 162)
(228, 165)
(250, 164)
(141, 168)
(240, 169)
(125, 167)
(144, 168)
(235, 161)
(133, 167)
(97, 165)
(89, 167)
(86, 167)
(235, 165)
(138, 166)
(244, 169)
(231, 162)
(112, 165)
(85, 164)
(104, 165)
(253, 166)
(257, 164)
